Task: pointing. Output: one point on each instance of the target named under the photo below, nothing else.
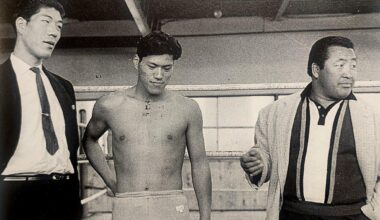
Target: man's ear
(136, 61)
(315, 70)
(20, 24)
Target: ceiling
(156, 10)
(150, 14)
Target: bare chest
(146, 123)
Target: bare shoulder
(183, 100)
(109, 100)
(107, 103)
(187, 105)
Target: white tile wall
(211, 139)
(229, 121)
(208, 107)
(237, 139)
(241, 111)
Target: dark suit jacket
(10, 113)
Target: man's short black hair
(158, 43)
(27, 8)
(318, 53)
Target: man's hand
(110, 193)
(252, 163)
(112, 188)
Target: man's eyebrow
(45, 15)
(50, 17)
(342, 59)
(153, 63)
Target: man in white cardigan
(319, 148)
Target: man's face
(40, 34)
(155, 72)
(337, 77)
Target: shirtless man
(151, 128)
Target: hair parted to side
(27, 8)
(318, 53)
(158, 43)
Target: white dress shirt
(31, 156)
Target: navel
(122, 138)
(170, 137)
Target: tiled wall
(229, 122)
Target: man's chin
(46, 53)
(344, 95)
(44, 56)
(155, 92)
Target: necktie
(47, 124)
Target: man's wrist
(206, 217)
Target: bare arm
(95, 129)
(200, 169)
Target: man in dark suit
(38, 127)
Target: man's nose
(158, 74)
(53, 30)
(349, 71)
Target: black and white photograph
(189, 110)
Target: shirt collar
(307, 92)
(19, 65)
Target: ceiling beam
(138, 15)
(282, 9)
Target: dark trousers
(40, 200)
(288, 215)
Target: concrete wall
(224, 59)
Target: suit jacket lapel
(61, 93)
(365, 141)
